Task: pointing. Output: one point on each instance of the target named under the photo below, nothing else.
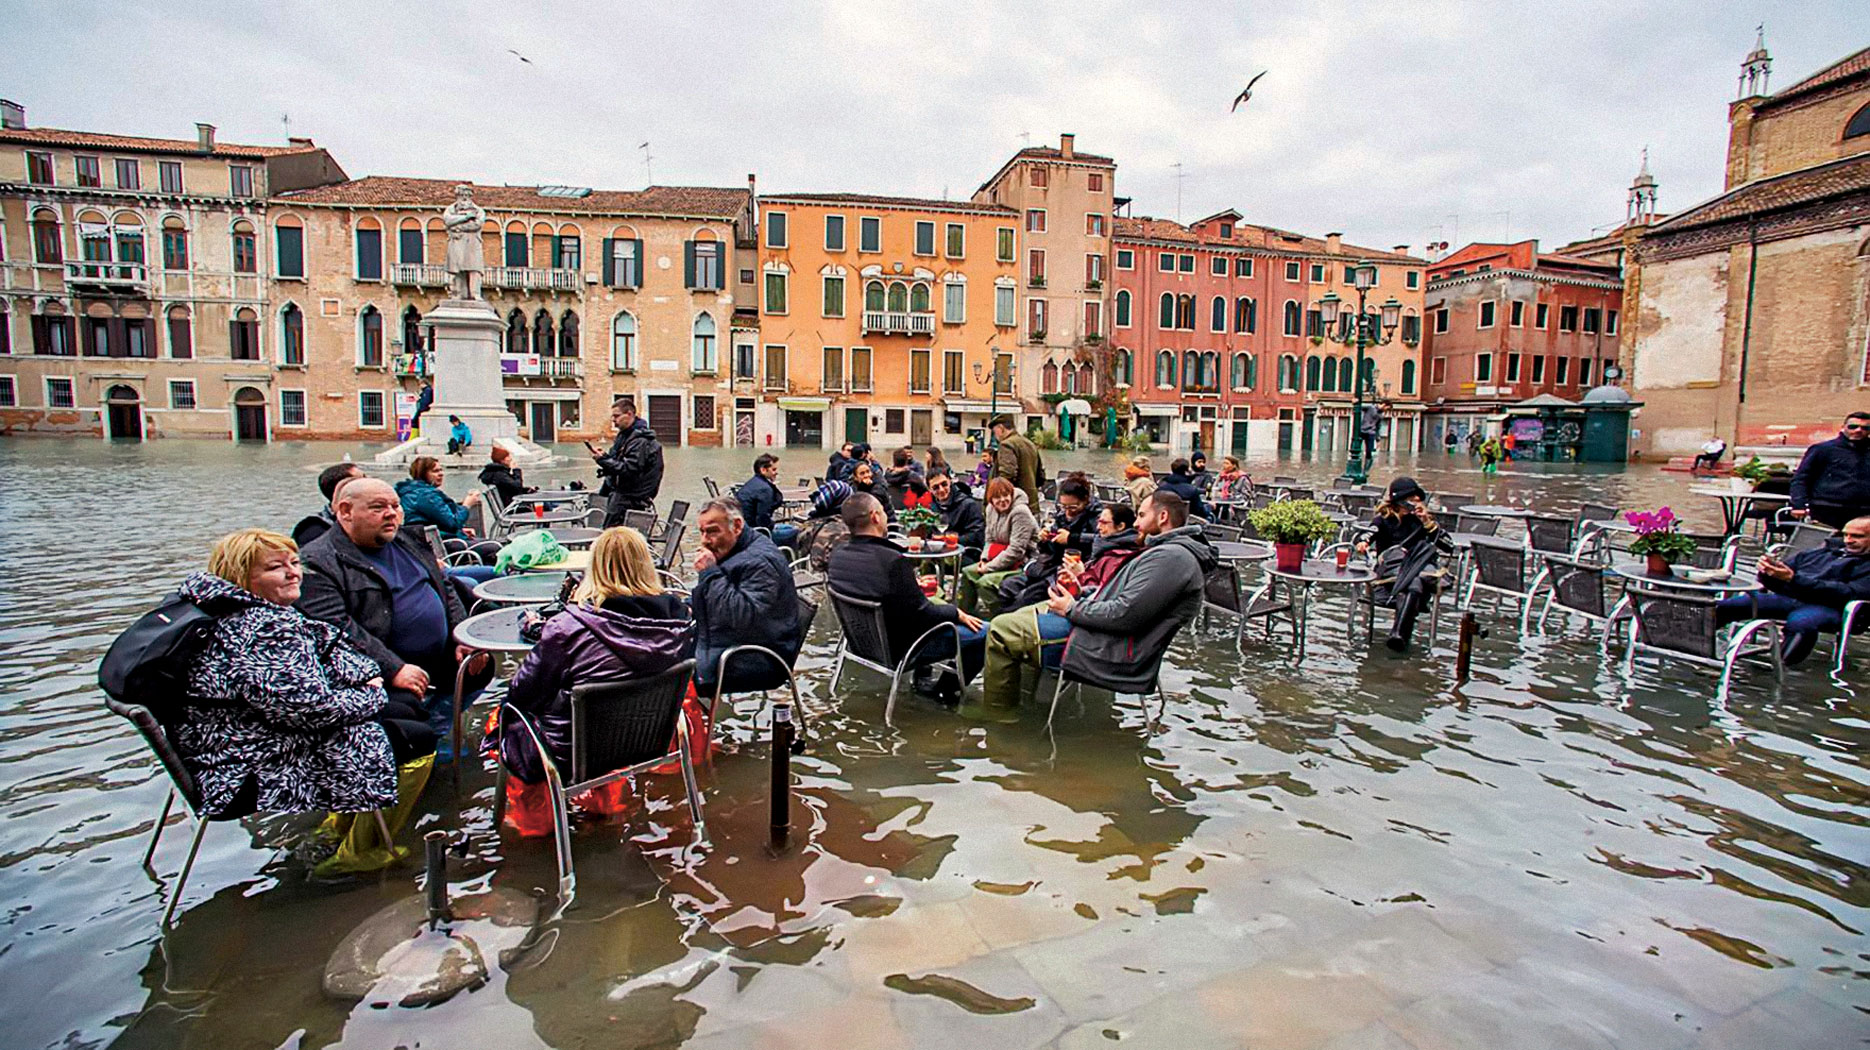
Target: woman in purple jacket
(619, 625)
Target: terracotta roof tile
(1248, 235)
(1052, 153)
(391, 191)
(138, 144)
(970, 207)
(1843, 69)
(1819, 182)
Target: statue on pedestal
(463, 220)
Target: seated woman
(507, 483)
(1409, 545)
(424, 503)
(620, 624)
(1012, 537)
(1139, 480)
(283, 713)
(864, 479)
(1231, 483)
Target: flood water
(1336, 851)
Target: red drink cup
(1344, 558)
(538, 510)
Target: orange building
(881, 318)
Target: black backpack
(148, 663)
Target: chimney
(1333, 241)
(300, 141)
(1064, 145)
(1401, 249)
(204, 137)
(12, 114)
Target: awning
(1076, 406)
(1157, 410)
(956, 404)
(805, 404)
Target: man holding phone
(1810, 591)
(632, 469)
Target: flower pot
(1657, 565)
(1287, 557)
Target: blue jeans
(785, 534)
(941, 647)
(1798, 616)
(476, 573)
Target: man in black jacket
(1073, 528)
(760, 499)
(632, 468)
(1809, 592)
(960, 512)
(744, 595)
(873, 569)
(313, 526)
(1182, 483)
(1832, 484)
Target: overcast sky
(1394, 123)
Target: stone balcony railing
(115, 278)
(535, 278)
(419, 275)
(898, 321)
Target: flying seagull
(528, 61)
(1246, 95)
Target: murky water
(1339, 851)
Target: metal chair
(618, 729)
(713, 487)
(807, 611)
(1596, 512)
(678, 512)
(1500, 569)
(1221, 592)
(1476, 525)
(1685, 627)
(493, 513)
(643, 521)
(1577, 586)
(671, 546)
(594, 518)
(1080, 676)
(181, 784)
(1801, 537)
(1714, 552)
(1284, 479)
(1342, 483)
(1550, 535)
(865, 641)
(1222, 533)
(803, 575)
(1454, 501)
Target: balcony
(898, 322)
(535, 279)
(533, 366)
(107, 278)
(419, 275)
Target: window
(1438, 371)
(1237, 373)
(414, 342)
(169, 175)
(622, 262)
(542, 342)
(409, 246)
(1411, 329)
(1561, 371)
(1591, 318)
(1610, 322)
(1350, 274)
(1123, 309)
(775, 292)
(1512, 368)
(1441, 320)
(1243, 266)
(47, 247)
(1035, 267)
(707, 265)
(1217, 266)
(1487, 308)
(1483, 368)
(832, 375)
(182, 393)
(370, 338)
(174, 248)
(1166, 315)
(925, 238)
(369, 255)
(953, 372)
(1094, 224)
(892, 420)
(518, 249)
(1186, 264)
(370, 409)
(834, 233)
(1584, 371)
(292, 408)
(919, 363)
(956, 234)
(181, 334)
(704, 413)
(870, 236)
(1541, 314)
(1315, 323)
(1003, 244)
(39, 168)
(1246, 315)
(1048, 378)
(860, 370)
(568, 254)
(1517, 314)
(1126, 259)
(834, 297)
(1093, 318)
(516, 332)
(743, 360)
(58, 394)
(1567, 318)
(1165, 370)
(776, 229)
(1185, 312)
(1412, 280)
(90, 172)
(6, 330)
(1288, 374)
(1094, 271)
(1094, 181)
(1217, 310)
(1538, 369)
(289, 243)
(239, 180)
(1311, 372)
(1318, 273)
(1035, 220)
(775, 367)
(129, 174)
(1166, 262)
(1292, 271)
(1122, 368)
(623, 342)
(9, 394)
(52, 335)
(243, 335)
(1291, 320)
(1035, 317)
(954, 302)
(1003, 305)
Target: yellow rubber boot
(361, 848)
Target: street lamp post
(1000, 369)
(1366, 330)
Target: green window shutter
(688, 264)
(641, 263)
(610, 266)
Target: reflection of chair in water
(182, 783)
(866, 642)
(618, 729)
(1685, 627)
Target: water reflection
(1343, 846)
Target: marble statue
(463, 220)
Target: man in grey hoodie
(1119, 633)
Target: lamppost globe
(1328, 310)
(1392, 313)
(1364, 276)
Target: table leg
(460, 723)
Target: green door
(856, 425)
(1239, 444)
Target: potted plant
(1291, 525)
(1659, 540)
(918, 517)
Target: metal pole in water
(782, 774)
(435, 857)
(1464, 653)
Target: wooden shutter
(610, 263)
(637, 281)
(688, 264)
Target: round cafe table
(945, 554)
(573, 561)
(1244, 550)
(1735, 503)
(553, 496)
(521, 517)
(1317, 572)
(576, 537)
(489, 632)
(526, 588)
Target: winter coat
(1230, 487)
(962, 516)
(313, 526)
(424, 504)
(873, 569)
(759, 501)
(1018, 462)
(1119, 634)
(1419, 550)
(461, 435)
(1108, 555)
(748, 598)
(879, 490)
(1829, 576)
(508, 483)
(283, 701)
(1018, 529)
(1141, 488)
(838, 468)
(580, 646)
(1184, 486)
(346, 589)
(632, 468)
(1834, 473)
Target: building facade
(132, 284)
(1506, 322)
(884, 319)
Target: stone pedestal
(465, 363)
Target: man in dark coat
(839, 466)
(960, 512)
(1832, 484)
(744, 595)
(1809, 592)
(760, 499)
(632, 468)
(1182, 483)
(1073, 528)
(313, 526)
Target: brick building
(1507, 322)
(1752, 310)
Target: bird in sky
(1247, 94)
(528, 61)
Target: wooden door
(665, 418)
(921, 426)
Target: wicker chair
(1685, 627)
(1550, 535)
(1500, 568)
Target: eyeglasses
(1857, 426)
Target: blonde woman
(1012, 537)
(283, 713)
(620, 624)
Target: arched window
(181, 332)
(1211, 370)
(243, 342)
(1167, 319)
(1217, 315)
(568, 334)
(292, 335)
(246, 249)
(1165, 370)
(1048, 379)
(516, 332)
(1311, 372)
(899, 297)
(1191, 370)
(47, 247)
(1370, 375)
(1121, 369)
(1408, 377)
(174, 243)
(412, 331)
(706, 359)
(623, 342)
(370, 338)
(1123, 309)
(1246, 315)
(1292, 317)
(873, 297)
(1328, 377)
(542, 333)
(1345, 372)
(1185, 312)
(1859, 124)
(919, 299)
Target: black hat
(1403, 489)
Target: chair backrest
(1356, 501)
(1284, 479)
(492, 511)
(1680, 623)
(865, 633)
(678, 511)
(1500, 564)
(808, 611)
(615, 725)
(1550, 535)
(1596, 512)
(643, 521)
(1342, 483)
(1246, 529)
(156, 736)
(594, 518)
(1221, 588)
(1299, 493)
(1112, 494)
(1808, 537)
(1579, 585)
(1710, 552)
(1476, 525)
(671, 545)
(1222, 533)
(1452, 501)
(1073, 672)
(713, 487)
